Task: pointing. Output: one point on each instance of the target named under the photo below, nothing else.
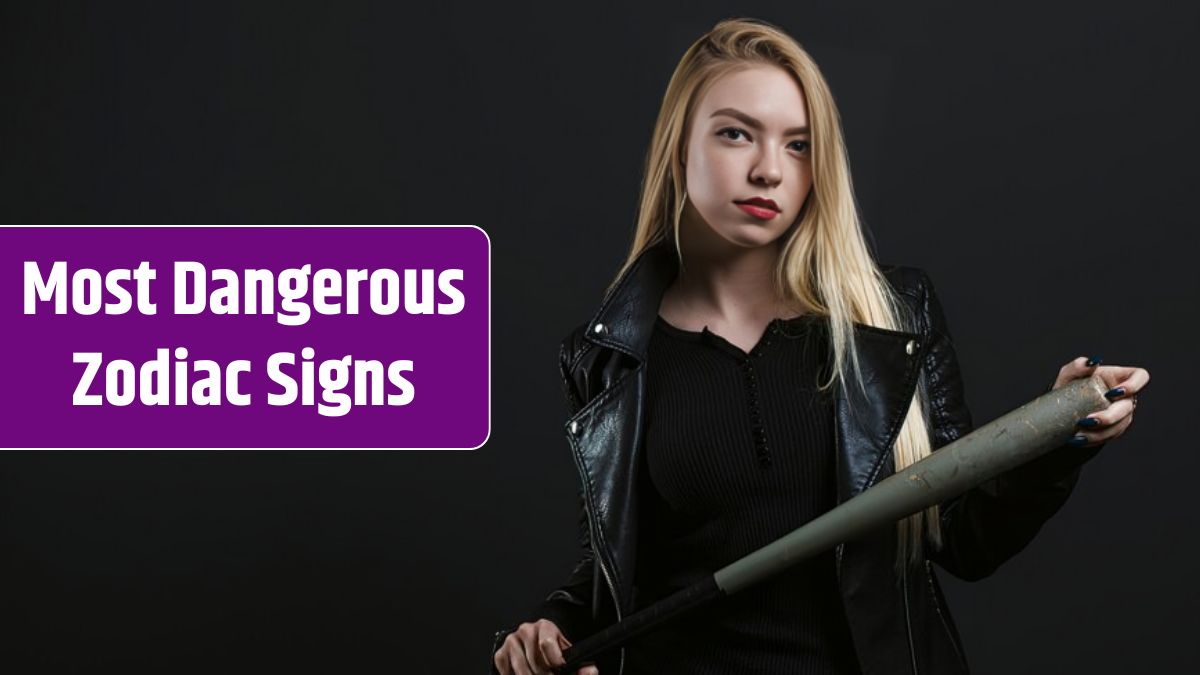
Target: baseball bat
(1007, 442)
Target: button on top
(911, 347)
(600, 329)
(574, 427)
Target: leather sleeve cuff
(497, 640)
(1058, 468)
(570, 618)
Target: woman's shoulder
(906, 279)
(915, 287)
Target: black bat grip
(585, 651)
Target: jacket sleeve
(989, 524)
(570, 605)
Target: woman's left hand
(1124, 383)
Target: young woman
(752, 367)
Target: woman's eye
(801, 146)
(731, 133)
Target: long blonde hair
(825, 264)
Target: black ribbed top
(739, 450)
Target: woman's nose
(766, 169)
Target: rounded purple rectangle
(406, 366)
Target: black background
(1037, 159)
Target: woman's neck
(724, 283)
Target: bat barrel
(1011, 440)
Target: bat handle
(585, 651)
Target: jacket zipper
(608, 582)
(837, 472)
(597, 551)
(912, 652)
(937, 605)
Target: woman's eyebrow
(753, 123)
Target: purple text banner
(246, 337)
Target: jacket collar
(626, 316)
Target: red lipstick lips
(759, 207)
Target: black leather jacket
(899, 621)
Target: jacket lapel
(868, 422)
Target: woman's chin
(749, 236)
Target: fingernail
(1077, 440)
(1094, 361)
(1088, 422)
(1114, 392)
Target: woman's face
(748, 142)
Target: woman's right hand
(533, 649)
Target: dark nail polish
(1077, 440)
(1094, 361)
(1114, 392)
(1088, 422)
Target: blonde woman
(751, 367)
